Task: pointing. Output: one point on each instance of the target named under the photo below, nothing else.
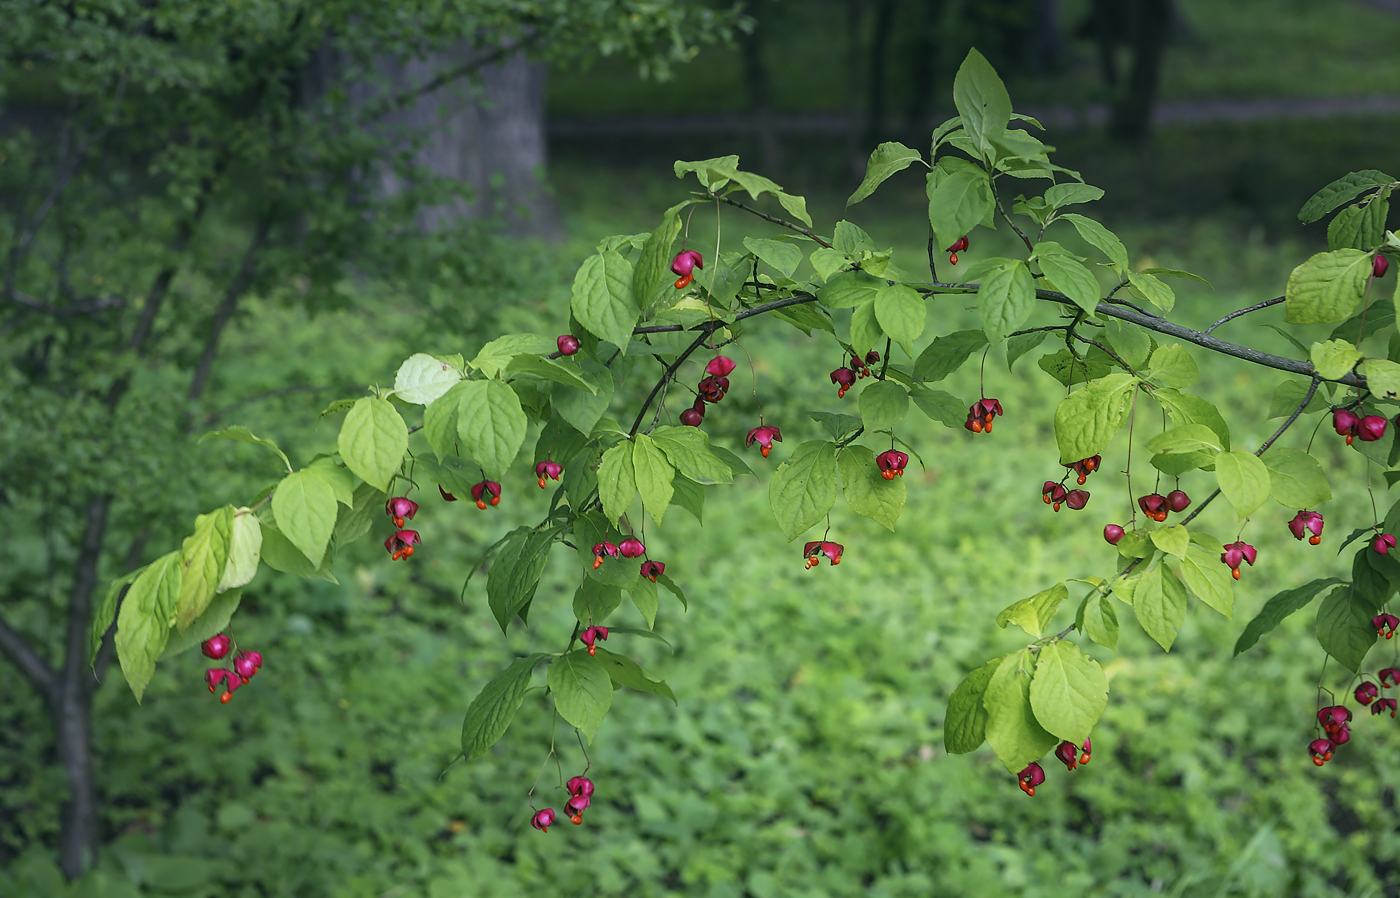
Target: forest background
(805, 753)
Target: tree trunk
(1132, 113)
(879, 54)
(488, 136)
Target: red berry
(1178, 500)
(1112, 533)
(692, 418)
(215, 647)
(1379, 266)
(568, 344)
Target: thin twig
(1238, 312)
(806, 232)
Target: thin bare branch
(790, 225)
(24, 657)
(1238, 312)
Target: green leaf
(1382, 378)
(1183, 439)
(1086, 420)
(850, 289)
(490, 713)
(203, 557)
(1279, 607)
(1172, 366)
(965, 724)
(945, 408)
(643, 594)
(1159, 601)
(143, 624)
(440, 421)
(582, 690)
(796, 206)
(336, 407)
(1334, 358)
(422, 378)
(901, 312)
(1340, 191)
(305, 507)
(1344, 628)
(1208, 579)
(688, 449)
(1131, 342)
(581, 409)
(1151, 289)
(1097, 236)
(617, 480)
(566, 373)
(653, 473)
(338, 476)
(1172, 539)
(867, 492)
(1289, 395)
(212, 622)
(106, 612)
(595, 600)
(780, 254)
(515, 574)
(865, 328)
(827, 261)
(1034, 613)
(1244, 480)
(803, 489)
(946, 354)
(1296, 480)
(1070, 278)
(689, 495)
(243, 435)
(1327, 287)
(883, 404)
(1361, 226)
(353, 522)
(1177, 273)
(886, 160)
(493, 358)
(1071, 194)
(653, 267)
(1020, 344)
(1100, 621)
(1184, 408)
(602, 298)
(1069, 692)
(623, 671)
(279, 554)
(1004, 300)
(1070, 369)
(982, 102)
(1012, 728)
(373, 440)
(490, 423)
(957, 203)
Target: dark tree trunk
(756, 79)
(923, 72)
(1132, 113)
(487, 135)
(879, 55)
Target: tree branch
(1238, 312)
(806, 232)
(236, 288)
(399, 101)
(24, 657)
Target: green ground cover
(805, 756)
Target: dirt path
(1065, 117)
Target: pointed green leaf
(143, 624)
(1344, 628)
(373, 440)
(1131, 342)
(243, 435)
(1244, 480)
(203, 557)
(355, 521)
(1101, 621)
(493, 358)
(595, 600)
(422, 378)
(1185, 439)
(1172, 366)
(1382, 378)
(212, 622)
(1342, 190)
(883, 404)
(1172, 539)
(617, 480)
(982, 101)
(1098, 236)
(943, 407)
(1005, 299)
(901, 312)
(886, 160)
(780, 254)
(653, 266)
(440, 420)
(1334, 358)
(1279, 607)
(566, 373)
(623, 671)
(689, 495)
(796, 206)
(1152, 289)
(279, 554)
(583, 410)
(582, 690)
(1327, 287)
(866, 491)
(1087, 419)
(803, 489)
(490, 713)
(957, 203)
(1159, 601)
(106, 612)
(947, 354)
(850, 289)
(1361, 226)
(515, 574)
(653, 473)
(1034, 613)
(865, 328)
(1069, 691)
(688, 449)
(490, 424)
(643, 594)
(965, 724)
(305, 507)
(1012, 729)
(338, 476)
(1296, 479)
(1185, 408)
(1072, 279)
(602, 298)
(1208, 579)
